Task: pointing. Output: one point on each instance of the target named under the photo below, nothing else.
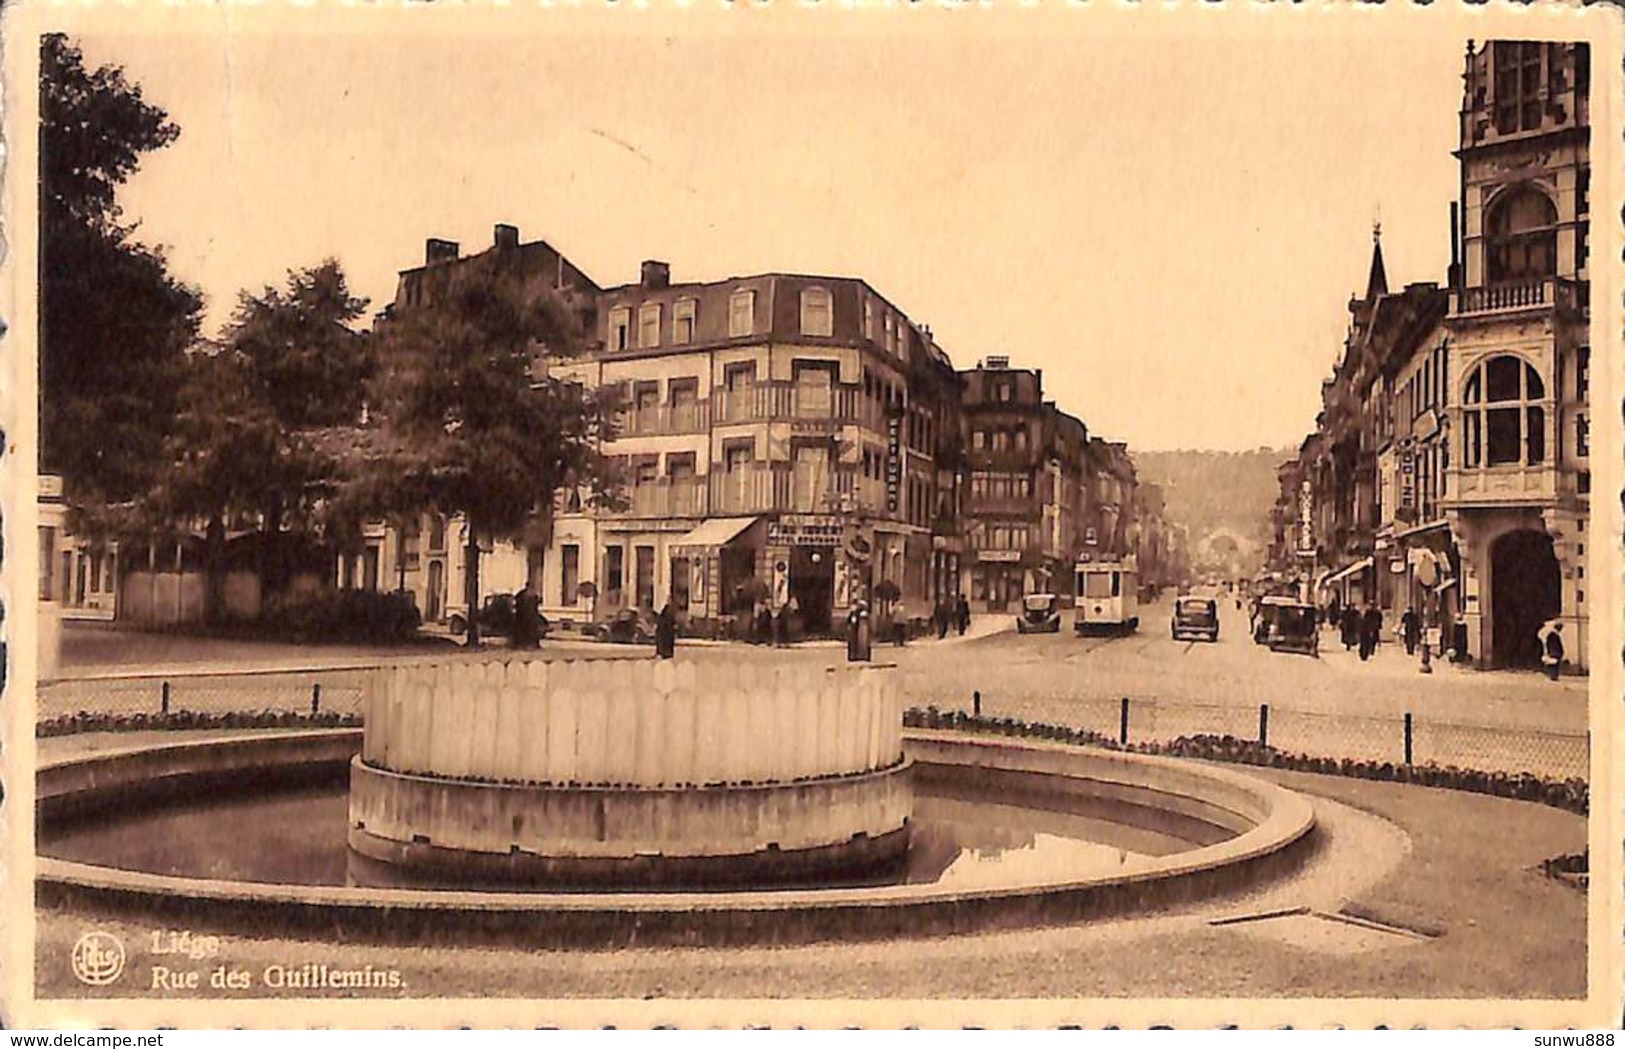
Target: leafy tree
(468, 423)
(267, 419)
(114, 324)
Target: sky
(1169, 226)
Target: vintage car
(1195, 617)
(1040, 614)
(628, 626)
(1294, 626)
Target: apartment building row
(796, 430)
(1449, 470)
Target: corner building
(1519, 479)
(784, 428)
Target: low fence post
(1122, 724)
(1409, 737)
(1263, 724)
(163, 702)
(976, 703)
(316, 698)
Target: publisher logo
(98, 958)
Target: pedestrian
(858, 641)
(1334, 613)
(962, 615)
(1551, 649)
(1370, 631)
(781, 626)
(666, 633)
(764, 624)
(1349, 628)
(525, 629)
(942, 618)
(1410, 625)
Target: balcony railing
(694, 417)
(667, 498)
(778, 400)
(1523, 295)
(757, 488)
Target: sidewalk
(1391, 661)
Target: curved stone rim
(1274, 842)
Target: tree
(267, 418)
(114, 324)
(466, 425)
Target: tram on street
(1107, 596)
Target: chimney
(505, 237)
(437, 250)
(656, 274)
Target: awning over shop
(715, 532)
(1420, 529)
(1347, 570)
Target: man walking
(1411, 626)
(1551, 649)
(962, 615)
(1370, 631)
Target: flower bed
(1571, 795)
(101, 721)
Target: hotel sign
(806, 530)
(1306, 518)
(894, 460)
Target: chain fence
(104, 702)
(1406, 738)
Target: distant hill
(1212, 493)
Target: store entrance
(812, 584)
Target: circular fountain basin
(1186, 830)
(631, 772)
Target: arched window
(1503, 423)
(1521, 240)
(817, 315)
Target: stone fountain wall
(631, 771)
(632, 723)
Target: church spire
(1377, 284)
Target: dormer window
(682, 322)
(817, 312)
(620, 328)
(649, 325)
(741, 313)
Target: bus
(1107, 596)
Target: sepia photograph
(1086, 512)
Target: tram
(1108, 598)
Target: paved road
(1335, 705)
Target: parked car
(1040, 614)
(496, 618)
(1195, 617)
(629, 626)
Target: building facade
(1449, 471)
(781, 439)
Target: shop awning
(1347, 570)
(1421, 528)
(717, 531)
